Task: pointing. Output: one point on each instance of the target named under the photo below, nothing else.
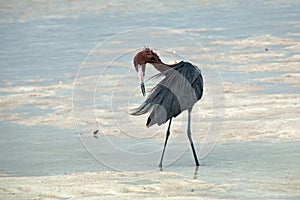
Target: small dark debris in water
(95, 133)
(266, 49)
(192, 190)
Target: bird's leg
(189, 133)
(166, 141)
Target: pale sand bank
(108, 185)
(150, 185)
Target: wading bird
(180, 88)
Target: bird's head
(140, 60)
(146, 56)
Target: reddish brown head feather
(145, 56)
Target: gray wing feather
(180, 89)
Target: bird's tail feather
(143, 109)
(159, 106)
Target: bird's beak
(143, 89)
(141, 77)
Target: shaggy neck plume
(160, 66)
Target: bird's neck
(160, 66)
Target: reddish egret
(180, 88)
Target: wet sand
(250, 114)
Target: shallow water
(27, 151)
(43, 44)
(247, 170)
(253, 169)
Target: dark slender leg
(166, 141)
(189, 133)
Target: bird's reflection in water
(196, 172)
(195, 175)
(95, 134)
